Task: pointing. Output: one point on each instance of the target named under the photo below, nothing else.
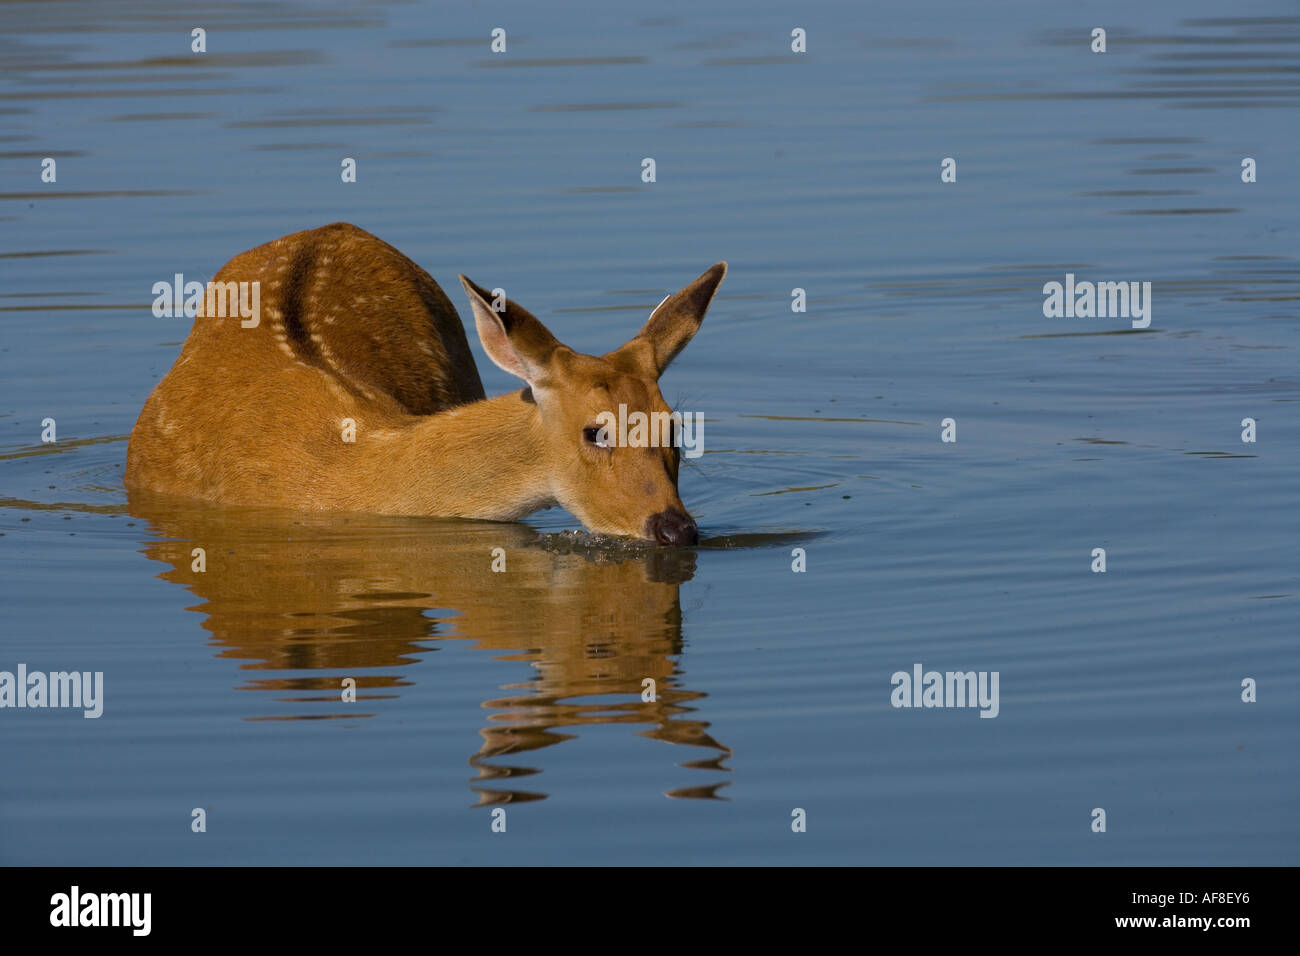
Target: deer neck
(482, 460)
(485, 459)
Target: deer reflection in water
(362, 596)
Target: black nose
(673, 527)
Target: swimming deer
(355, 390)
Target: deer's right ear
(514, 339)
(673, 323)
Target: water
(523, 690)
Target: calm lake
(844, 539)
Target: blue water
(522, 691)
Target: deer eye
(595, 435)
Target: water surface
(523, 690)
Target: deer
(355, 390)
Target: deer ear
(514, 339)
(671, 325)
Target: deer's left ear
(672, 324)
(513, 337)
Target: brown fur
(352, 329)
